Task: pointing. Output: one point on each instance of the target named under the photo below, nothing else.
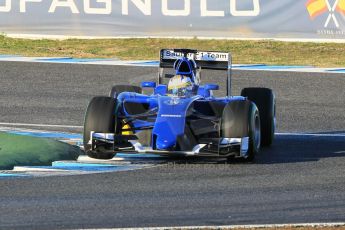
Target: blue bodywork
(182, 116)
(171, 119)
(167, 114)
(179, 118)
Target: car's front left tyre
(99, 117)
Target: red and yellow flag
(341, 6)
(316, 7)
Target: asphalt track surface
(300, 179)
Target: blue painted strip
(73, 60)
(248, 65)
(12, 175)
(245, 66)
(48, 135)
(77, 164)
(86, 166)
(148, 63)
(54, 59)
(82, 168)
(7, 56)
(156, 64)
(274, 67)
(78, 167)
(337, 70)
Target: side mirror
(211, 87)
(148, 84)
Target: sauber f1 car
(181, 116)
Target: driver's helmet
(183, 84)
(180, 86)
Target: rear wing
(211, 60)
(204, 59)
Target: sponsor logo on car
(171, 115)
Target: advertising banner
(297, 19)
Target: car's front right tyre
(264, 99)
(241, 119)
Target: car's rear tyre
(117, 89)
(264, 99)
(242, 119)
(99, 117)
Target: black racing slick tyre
(264, 99)
(99, 117)
(117, 89)
(242, 119)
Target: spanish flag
(341, 6)
(316, 7)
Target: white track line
(41, 125)
(32, 169)
(273, 226)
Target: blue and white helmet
(180, 86)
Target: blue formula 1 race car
(181, 117)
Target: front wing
(222, 147)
